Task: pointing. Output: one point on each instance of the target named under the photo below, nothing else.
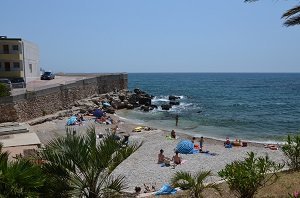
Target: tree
(292, 150)
(85, 166)
(195, 183)
(246, 177)
(291, 16)
(19, 178)
(4, 90)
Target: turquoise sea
(261, 107)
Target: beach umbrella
(185, 147)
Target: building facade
(19, 59)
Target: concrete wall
(34, 104)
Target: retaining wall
(33, 104)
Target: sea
(258, 107)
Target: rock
(154, 106)
(173, 102)
(145, 101)
(145, 108)
(137, 91)
(166, 106)
(133, 99)
(122, 97)
(110, 110)
(174, 97)
(130, 106)
(95, 101)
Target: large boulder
(174, 97)
(166, 107)
(144, 101)
(173, 102)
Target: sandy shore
(142, 168)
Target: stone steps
(12, 128)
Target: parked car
(47, 76)
(7, 82)
(18, 82)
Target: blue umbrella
(185, 147)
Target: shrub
(246, 177)
(195, 184)
(292, 150)
(4, 90)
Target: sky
(156, 35)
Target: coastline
(142, 168)
(190, 135)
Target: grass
(288, 182)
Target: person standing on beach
(177, 119)
(201, 143)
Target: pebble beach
(141, 167)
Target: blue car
(47, 76)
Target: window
(5, 49)
(30, 68)
(7, 66)
(17, 65)
(15, 47)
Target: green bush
(292, 150)
(246, 177)
(4, 90)
(195, 183)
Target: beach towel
(185, 147)
(72, 120)
(166, 190)
(106, 104)
(183, 161)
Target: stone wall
(34, 104)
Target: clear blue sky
(156, 35)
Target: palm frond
(292, 21)
(201, 176)
(291, 12)
(183, 180)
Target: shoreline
(190, 135)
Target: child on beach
(173, 134)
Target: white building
(19, 58)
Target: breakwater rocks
(110, 102)
(123, 99)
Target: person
(161, 157)
(173, 134)
(201, 143)
(227, 143)
(176, 159)
(193, 140)
(177, 117)
(137, 189)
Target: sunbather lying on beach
(272, 146)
